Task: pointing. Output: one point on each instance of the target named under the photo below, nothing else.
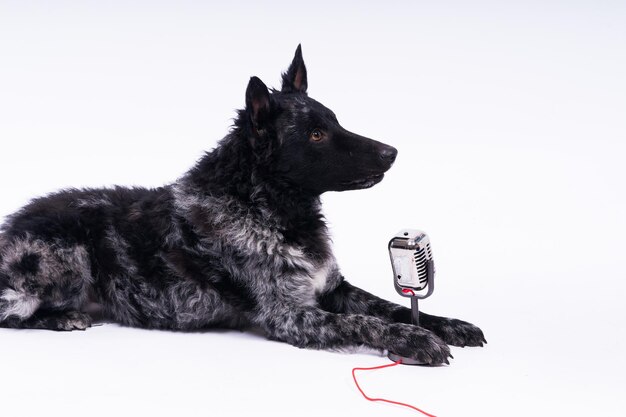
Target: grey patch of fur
(19, 304)
(93, 201)
(63, 274)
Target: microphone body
(412, 263)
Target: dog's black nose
(388, 154)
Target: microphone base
(405, 361)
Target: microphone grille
(412, 261)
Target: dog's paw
(417, 343)
(71, 320)
(457, 332)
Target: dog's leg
(348, 299)
(315, 328)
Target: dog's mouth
(363, 182)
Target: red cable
(382, 399)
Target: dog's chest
(307, 276)
(299, 271)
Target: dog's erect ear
(257, 103)
(294, 80)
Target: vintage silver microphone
(413, 273)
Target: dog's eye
(317, 135)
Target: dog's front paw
(417, 343)
(456, 332)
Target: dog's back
(66, 249)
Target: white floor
(533, 365)
(509, 120)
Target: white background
(509, 120)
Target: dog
(239, 241)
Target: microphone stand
(415, 313)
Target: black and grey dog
(238, 241)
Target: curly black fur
(238, 241)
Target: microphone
(413, 273)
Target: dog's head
(311, 150)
